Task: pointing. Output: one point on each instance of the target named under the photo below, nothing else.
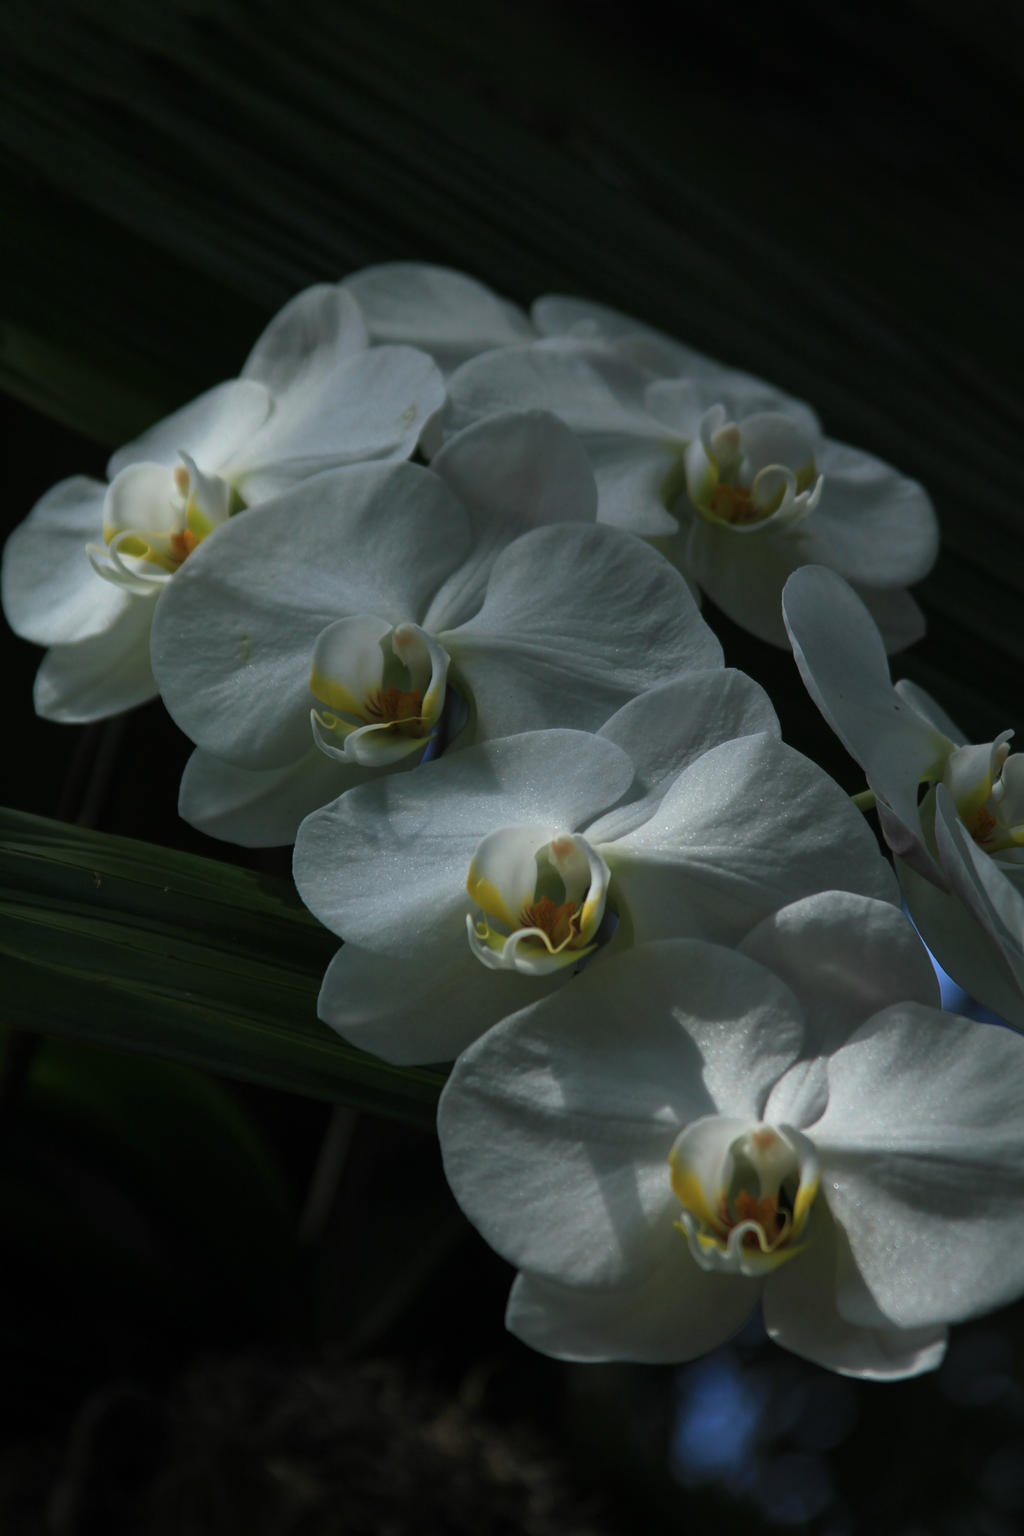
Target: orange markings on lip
(182, 544)
(560, 923)
(764, 1211)
(734, 503)
(390, 706)
(981, 825)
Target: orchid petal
(967, 949)
(842, 661)
(874, 526)
(51, 594)
(929, 709)
(372, 405)
(595, 392)
(673, 1312)
(923, 1161)
(771, 437)
(569, 1109)
(444, 312)
(547, 646)
(259, 808)
(632, 479)
(102, 675)
(749, 827)
(234, 637)
(212, 428)
(386, 865)
(307, 339)
(982, 884)
(678, 364)
(425, 1007)
(800, 1314)
(680, 403)
(840, 985)
(743, 570)
(670, 726)
(141, 499)
(513, 472)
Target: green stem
(865, 800)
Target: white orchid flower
(740, 473)
(482, 881)
(382, 600)
(83, 572)
(960, 848)
(635, 427)
(693, 1130)
(446, 313)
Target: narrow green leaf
(150, 949)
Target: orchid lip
(540, 902)
(154, 518)
(381, 688)
(746, 1193)
(986, 785)
(729, 489)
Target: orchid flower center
(987, 786)
(384, 688)
(539, 901)
(153, 518)
(746, 1193)
(741, 474)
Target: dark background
(195, 1273)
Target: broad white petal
(671, 726)
(556, 314)
(446, 313)
(842, 661)
(556, 1127)
(513, 472)
(743, 570)
(100, 676)
(846, 957)
(973, 956)
(749, 827)
(427, 1007)
(576, 621)
(211, 428)
(307, 339)
(372, 405)
(233, 641)
(672, 1313)
(800, 1314)
(254, 808)
(922, 1154)
(633, 477)
(385, 866)
(873, 525)
(593, 390)
(51, 594)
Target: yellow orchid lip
(385, 688)
(765, 1180)
(539, 904)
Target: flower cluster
(422, 586)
